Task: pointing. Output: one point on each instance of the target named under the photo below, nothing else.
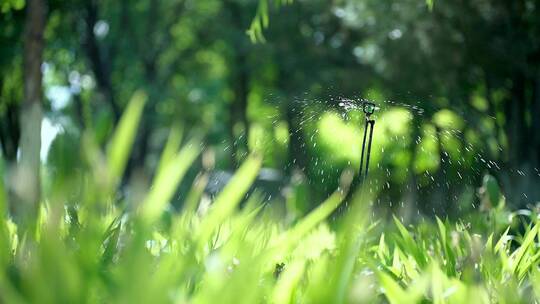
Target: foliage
(135, 250)
(6, 5)
(452, 108)
(262, 19)
(125, 216)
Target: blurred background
(458, 84)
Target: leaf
(111, 245)
(312, 219)
(4, 233)
(3, 200)
(195, 193)
(352, 236)
(489, 243)
(503, 240)
(525, 245)
(430, 4)
(527, 265)
(288, 281)
(382, 249)
(230, 197)
(492, 189)
(392, 290)
(261, 20)
(409, 243)
(448, 252)
(166, 182)
(172, 146)
(120, 145)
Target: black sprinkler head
(368, 108)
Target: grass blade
(166, 182)
(120, 146)
(230, 197)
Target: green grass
(93, 248)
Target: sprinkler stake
(370, 123)
(368, 108)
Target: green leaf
(430, 4)
(382, 249)
(448, 252)
(3, 200)
(409, 243)
(4, 233)
(518, 255)
(312, 219)
(7, 5)
(172, 146)
(502, 241)
(166, 182)
(492, 189)
(195, 193)
(120, 145)
(111, 245)
(261, 20)
(392, 290)
(288, 281)
(230, 197)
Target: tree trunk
(521, 178)
(239, 121)
(240, 79)
(515, 120)
(10, 133)
(99, 62)
(27, 179)
(535, 122)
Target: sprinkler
(368, 108)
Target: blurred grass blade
(447, 249)
(4, 233)
(171, 147)
(312, 219)
(111, 245)
(382, 249)
(120, 145)
(166, 182)
(399, 295)
(393, 292)
(230, 197)
(3, 200)
(503, 240)
(315, 217)
(287, 283)
(195, 193)
(409, 243)
(352, 236)
(528, 265)
(430, 4)
(520, 253)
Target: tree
(11, 80)
(28, 172)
